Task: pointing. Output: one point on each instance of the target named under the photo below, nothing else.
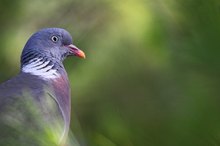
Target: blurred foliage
(24, 122)
(151, 76)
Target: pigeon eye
(54, 38)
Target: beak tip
(81, 54)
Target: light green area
(151, 76)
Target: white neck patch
(41, 68)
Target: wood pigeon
(35, 104)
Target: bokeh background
(151, 77)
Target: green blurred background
(151, 77)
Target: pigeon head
(51, 43)
(48, 48)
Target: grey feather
(35, 111)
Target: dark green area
(151, 77)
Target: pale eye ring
(54, 38)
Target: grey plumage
(35, 104)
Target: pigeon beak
(76, 51)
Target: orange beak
(76, 51)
